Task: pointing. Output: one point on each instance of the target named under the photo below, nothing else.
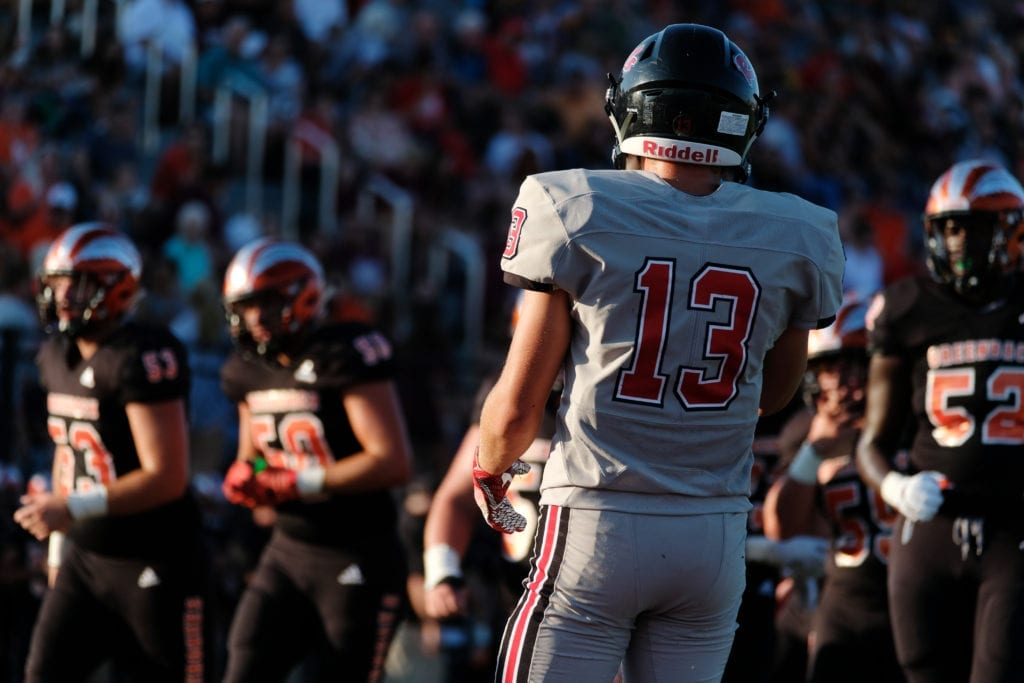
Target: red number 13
(725, 343)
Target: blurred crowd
(448, 104)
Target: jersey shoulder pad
(346, 353)
(902, 315)
(147, 364)
(236, 375)
(50, 358)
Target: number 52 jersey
(675, 301)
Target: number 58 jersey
(297, 420)
(675, 301)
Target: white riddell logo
(305, 372)
(87, 379)
(148, 578)
(352, 576)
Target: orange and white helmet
(274, 269)
(847, 334)
(106, 269)
(987, 202)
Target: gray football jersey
(675, 301)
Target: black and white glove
(489, 493)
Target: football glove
(275, 485)
(238, 484)
(489, 492)
(917, 497)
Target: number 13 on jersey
(725, 343)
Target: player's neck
(87, 348)
(689, 178)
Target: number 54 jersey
(675, 301)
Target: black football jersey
(93, 442)
(967, 382)
(298, 421)
(861, 526)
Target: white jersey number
(725, 343)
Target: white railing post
(330, 162)
(24, 24)
(90, 8)
(254, 154)
(56, 12)
(468, 251)
(151, 102)
(401, 203)
(187, 93)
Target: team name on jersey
(282, 400)
(77, 407)
(975, 351)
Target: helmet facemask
(976, 253)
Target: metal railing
(256, 135)
(400, 202)
(454, 243)
(330, 160)
(152, 97)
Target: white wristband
(86, 504)
(804, 467)
(310, 481)
(55, 551)
(440, 562)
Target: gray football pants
(657, 593)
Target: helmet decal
(745, 68)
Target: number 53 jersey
(675, 301)
(93, 442)
(298, 420)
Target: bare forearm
(506, 431)
(784, 367)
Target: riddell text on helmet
(697, 156)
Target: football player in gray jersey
(678, 304)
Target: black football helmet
(105, 269)
(687, 93)
(982, 201)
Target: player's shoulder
(901, 298)
(576, 183)
(342, 353)
(782, 206)
(138, 336)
